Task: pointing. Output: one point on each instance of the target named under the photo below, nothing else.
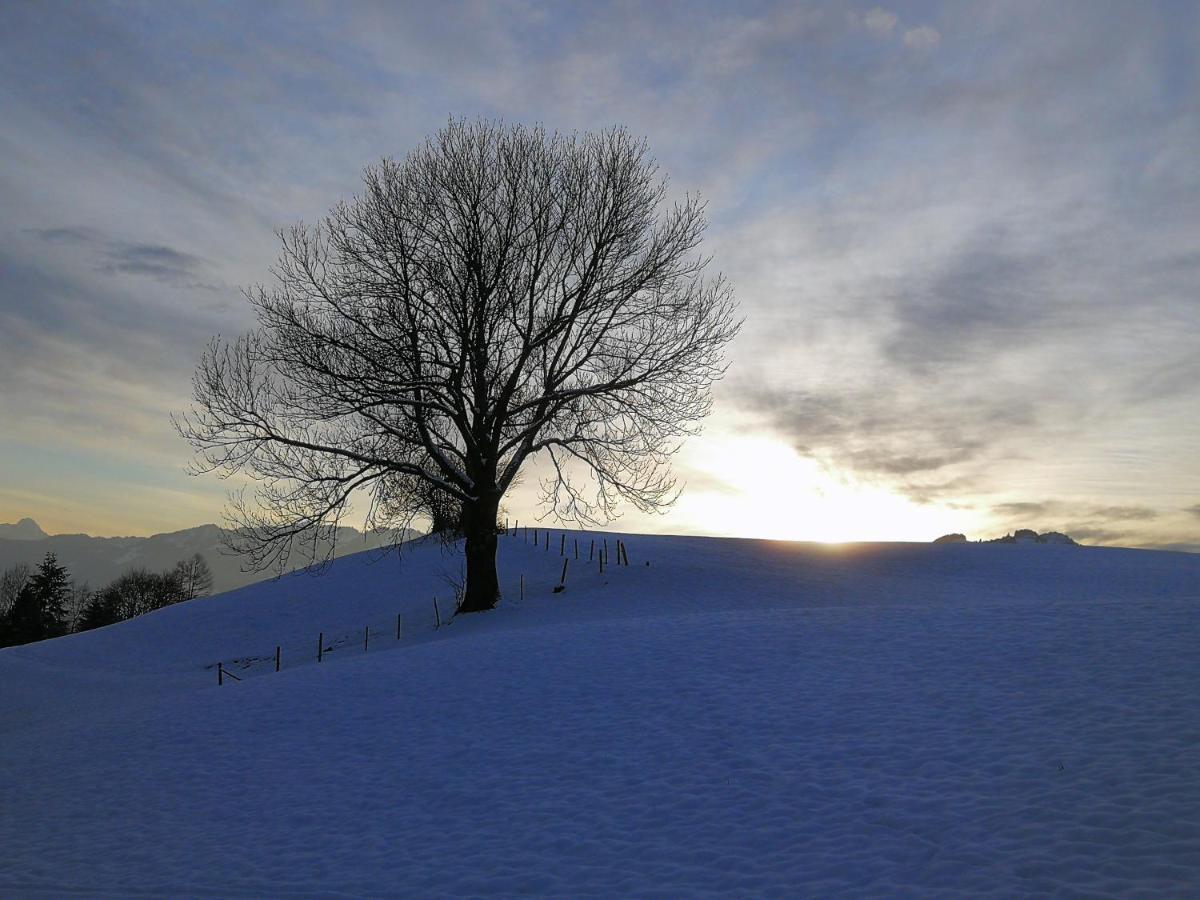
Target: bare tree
(502, 293)
(12, 581)
(81, 596)
(194, 576)
(135, 593)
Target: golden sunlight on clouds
(760, 487)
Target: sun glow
(759, 487)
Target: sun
(761, 487)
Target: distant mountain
(25, 530)
(98, 560)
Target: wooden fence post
(577, 548)
(397, 626)
(562, 544)
(562, 579)
(320, 646)
(220, 674)
(592, 550)
(437, 614)
(276, 657)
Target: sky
(965, 239)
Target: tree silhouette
(502, 294)
(195, 577)
(40, 608)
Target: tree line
(47, 603)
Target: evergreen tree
(40, 610)
(104, 608)
(52, 585)
(22, 624)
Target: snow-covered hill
(742, 717)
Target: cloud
(1125, 513)
(967, 276)
(65, 235)
(880, 21)
(157, 261)
(1010, 510)
(1194, 510)
(1093, 535)
(924, 37)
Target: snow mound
(737, 717)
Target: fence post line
(276, 657)
(320, 645)
(397, 626)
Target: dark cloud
(66, 235)
(157, 261)
(976, 305)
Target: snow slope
(739, 717)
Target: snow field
(740, 718)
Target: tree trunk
(482, 590)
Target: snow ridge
(737, 718)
